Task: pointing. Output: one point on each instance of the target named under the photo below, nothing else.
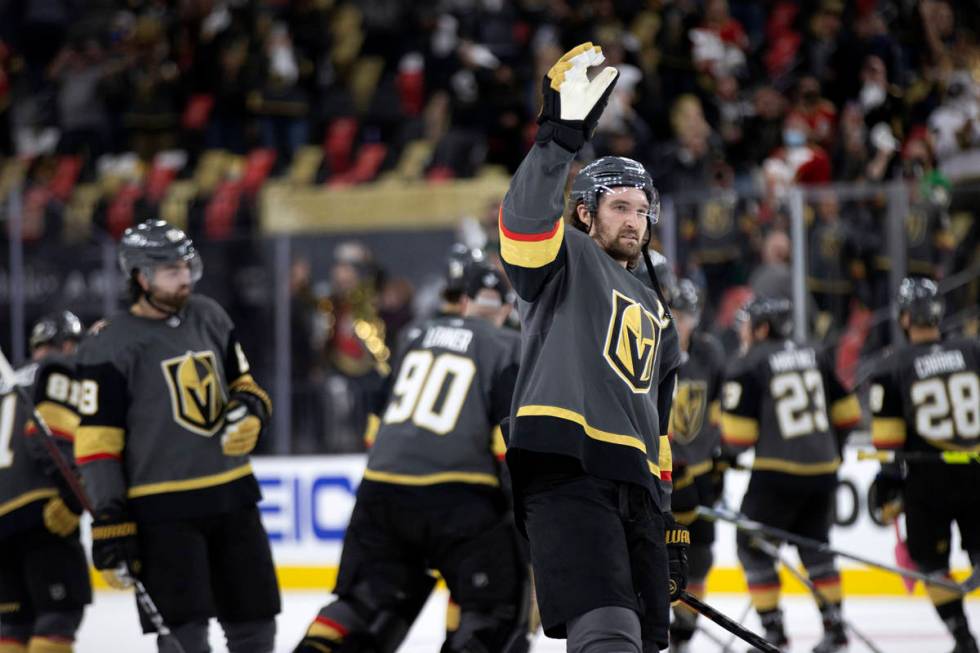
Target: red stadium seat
(440, 173)
(121, 211)
(411, 91)
(366, 167)
(219, 217)
(733, 299)
(158, 180)
(65, 176)
(258, 165)
(197, 112)
(339, 144)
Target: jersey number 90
(419, 386)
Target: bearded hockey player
(695, 441)
(44, 581)
(431, 495)
(588, 449)
(169, 413)
(787, 402)
(925, 397)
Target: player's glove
(115, 550)
(61, 518)
(885, 495)
(678, 539)
(571, 103)
(243, 423)
(721, 461)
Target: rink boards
(307, 502)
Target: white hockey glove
(571, 103)
(241, 430)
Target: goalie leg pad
(257, 636)
(193, 637)
(58, 625)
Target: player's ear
(142, 280)
(904, 321)
(582, 211)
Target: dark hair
(134, 289)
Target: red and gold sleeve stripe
(665, 459)
(888, 432)
(739, 431)
(62, 421)
(714, 412)
(371, 430)
(99, 443)
(530, 250)
(498, 446)
(328, 629)
(845, 412)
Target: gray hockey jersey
(152, 397)
(599, 354)
(449, 391)
(28, 477)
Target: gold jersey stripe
(845, 411)
(498, 446)
(665, 455)
(739, 430)
(800, 469)
(371, 430)
(888, 431)
(61, 420)
(700, 469)
(531, 251)
(198, 483)
(714, 412)
(27, 498)
(473, 478)
(95, 440)
(591, 431)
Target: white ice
(895, 625)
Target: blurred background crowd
(108, 107)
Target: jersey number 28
(947, 408)
(419, 386)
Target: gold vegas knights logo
(687, 415)
(196, 395)
(632, 340)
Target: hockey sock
(953, 616)
(49, 645)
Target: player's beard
(625, 245)
(173, 301)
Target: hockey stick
(738, 630)
(773, 551)
(742, 617)
(143, 599)
(743, 523)
(943, 457)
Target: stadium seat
(339, 144)
(219, 217)
(121, 212)
(366, 166)
(258, 165)
(306, 163)
(440, 173)
(197, 112)
(158, 180)
(65, 177)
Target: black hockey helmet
(602, 175)
(921, 300)
(687, 299)
(777, 312)
(156, 242)
(483, 276)
(56, 329)
(459, 258)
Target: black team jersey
(151, 398)
(694, 420)
(28, 476)
(787, 402)
(926, 397)
(444, 400)
(599, 355)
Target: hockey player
(44, 580)
(787, 402)
(925, 397)
(588, 449)
(695, 441)
(431, 496)
(169, 413)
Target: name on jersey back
(939, 363)
(793, 359)
(447, 338)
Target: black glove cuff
(254, 404)
(569, 135)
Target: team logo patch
(687, 416)
(632, 340)
(196, 394)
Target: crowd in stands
(728, 103)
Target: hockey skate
(775, 634)
(965, 643)
(834, 639)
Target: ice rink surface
(895, 625)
